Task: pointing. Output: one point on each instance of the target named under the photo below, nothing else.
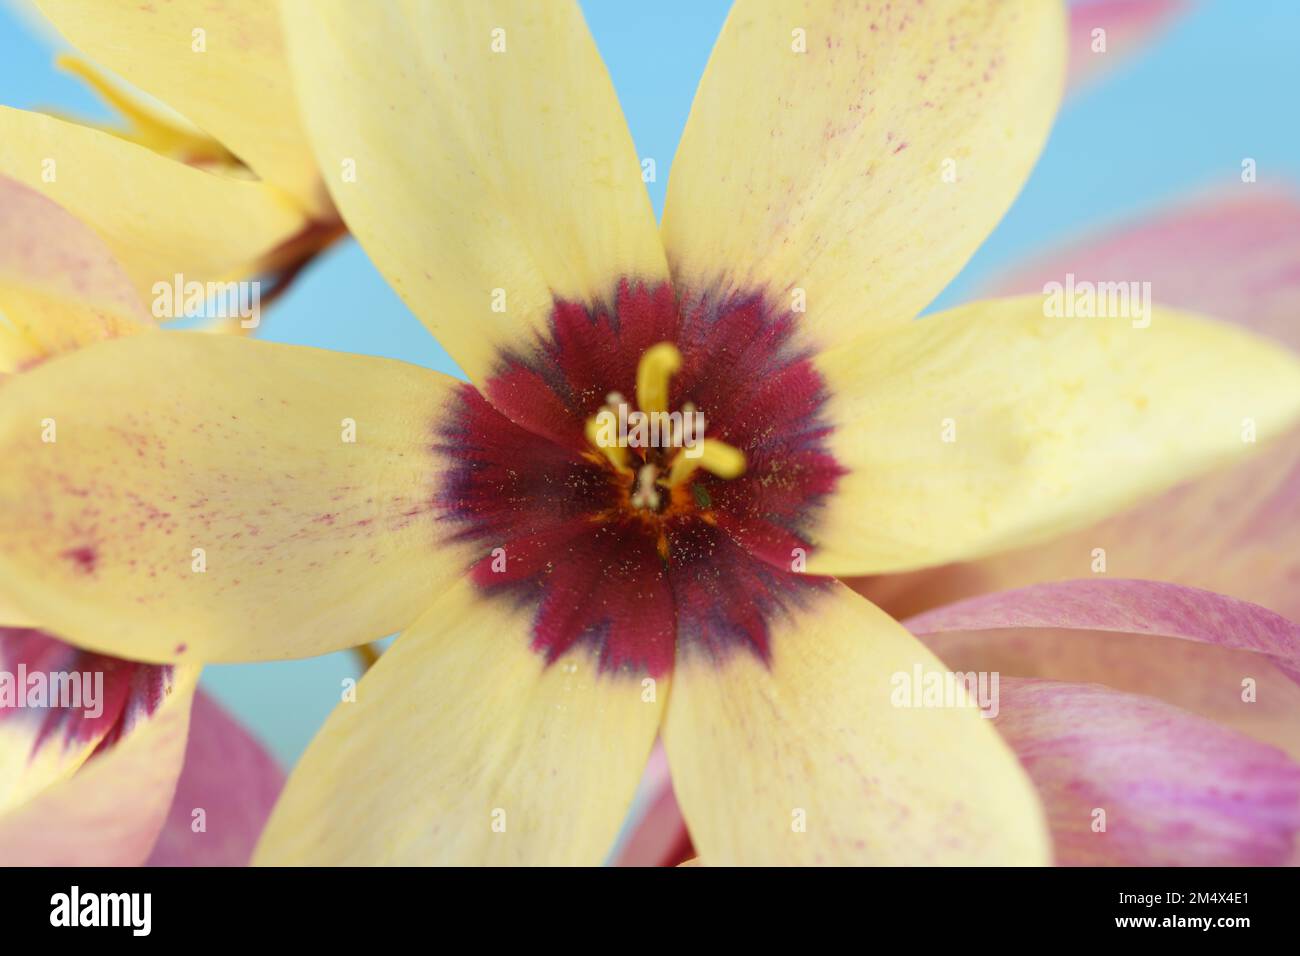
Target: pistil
(646, 495)
(682, 449)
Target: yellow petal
(221, 65)
(60, 287)
(149, 125)
(110, 812)
(158, 217)
(857, 159)
(993, 426)
(1231, 256)
(16, 351)
(10, 616)
(202, 498)
(811, 759)
(464, 747)
(514, 180)
(1247, 550)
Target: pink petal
(1225, 660)
(1133, 607)
(1129, 26)
(656, 834)
(47, 252)
(1176, 789)
(44, 244)
(232, 779)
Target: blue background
(1219, 86)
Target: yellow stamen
(715, 456)
(615, 452)
(652, 374)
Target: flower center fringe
(596, 494)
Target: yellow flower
(227, 189)
(562, 600)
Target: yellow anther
(604, 438)
(652, 374)
(715, 456)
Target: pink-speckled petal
(815, 732)
(1242, 690)
(1132, 607)
(1170, 788)
(1128, 26)
(1235, 256)
(1226, 660)
(226, 791)
(179, 517)
(60, 287)
(109, 812)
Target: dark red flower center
(654, 541)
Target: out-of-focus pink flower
(225, 793)
(1105, 33)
